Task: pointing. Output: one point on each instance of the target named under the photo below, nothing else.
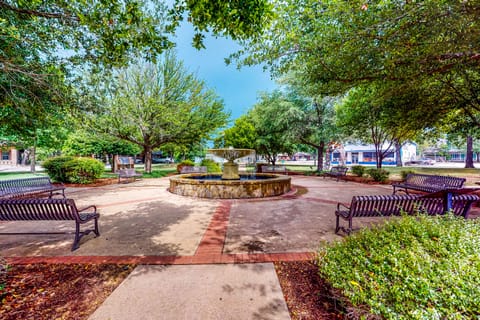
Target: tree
(242, 135)
(152, 105)
(46, 45)
(272, 130)
(341, 44)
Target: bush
(83, 170)
(211, 165)
(415, 267)
(358, 170)
(405, 173)
(55, 167)
(379, 175)
(73, 170)
(184, 163)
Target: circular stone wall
(268, 185)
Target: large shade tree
(154, 104)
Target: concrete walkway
(197, 258)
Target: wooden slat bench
(50, 209)
(395, 205)
(336, 172)
(428, 183)
(275, 169)
(30, 187)
(127, 174)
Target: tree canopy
(154, 104)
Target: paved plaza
(197, 258)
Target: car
(422, 162)
(162, 160)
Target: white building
(365, 154)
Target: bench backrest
(19, 186)
(339, 169)
(38, 209)
(444, 182)
(193, 169)
(388, 205)
(274, 168)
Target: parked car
(422, 161)
(162, 160)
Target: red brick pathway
(209, 251)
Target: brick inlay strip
(214, 237)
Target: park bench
(127, 174)
(193, 169)
(428, 183)
(30, 187)
(50, 209)
(336, 172)
(396, 205)
(275, 169)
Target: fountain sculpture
(230, 184)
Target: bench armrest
(340, 205)
(87, 208)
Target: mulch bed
(75, 291)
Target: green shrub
(358, 170)
(55, 167)
(83, 170)
(379, 175)
(73, 170)
(211, 165)
(415, 267)
(184, 163)
(405, 173)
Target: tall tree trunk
(320, 149)
(147, 150)
(469, 155)
(33, 155)
(398, 153)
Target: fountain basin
(205, 185)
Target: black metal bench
(395, 205)
(50, 209)
(127, 174)
(30, 187)
(428, 183)
(336, 172)
(275, 169)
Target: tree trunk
(33, 155)
(469, 155)
(320, 156)
(378, 156)
(398, 154)
(147, 150)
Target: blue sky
(238, 88)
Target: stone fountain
(230, 168)
(230, 184)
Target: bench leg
(337, 226)
(77, 237)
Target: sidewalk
(197, 258)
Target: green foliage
(211, 165)
(379, 175)
(152, 105)
(73, 170)
(409, 268)
(358, 170)
(83, 170)
(405, 173)
(184, 163)
(83, 143)
(55, 167)
(242, 135)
